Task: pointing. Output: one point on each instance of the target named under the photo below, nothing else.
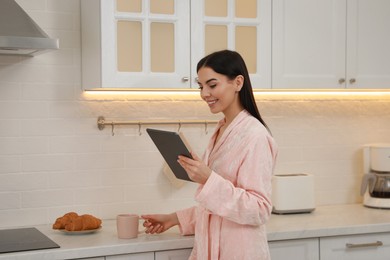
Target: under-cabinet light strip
(365, 92)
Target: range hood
(19, 34)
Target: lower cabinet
(179, 254)
(375, 246)
(356, 247)
(299, 249)
(137, 256)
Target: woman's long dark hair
(231, 64)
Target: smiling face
(220, 93)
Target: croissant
(83, 222)
(62, 221)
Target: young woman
(234, 193)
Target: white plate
(81, 232)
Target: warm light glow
(325, 92)
(269, 94)
(143, 92)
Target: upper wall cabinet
(331, 44)
(156, 44)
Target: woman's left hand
(196, 169)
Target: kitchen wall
(53, 158)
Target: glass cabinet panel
(129, 42)
(215, 38)
(218, 8)
(131, 6)
(162, 6)
(162, 47)
(246, 8)
(246, 45)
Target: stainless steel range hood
(19, 34)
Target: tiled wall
(53, 159)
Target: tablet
(171, 145)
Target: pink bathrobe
(235, 202)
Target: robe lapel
(213, 148)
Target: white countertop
(324, 221)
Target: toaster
(293, 193)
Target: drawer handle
(374, 244)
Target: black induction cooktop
(24, 239)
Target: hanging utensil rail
(101, 123)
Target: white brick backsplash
(49, 162)
(15, 145)
(147, 193)
(74, 144)
(9, 146)
(128, 177)
(10, 91)
(110, 211)
(46, 198)
(54, 159)
(99, 195)
(8, 111)
(45, 91)
(74, 179)
(22, 182)
(23, 217)
(34, 109)
(99, 161)
(9, 200)
(9, 164)
(34, 145)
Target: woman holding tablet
(234, 175)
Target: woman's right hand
(158, 223)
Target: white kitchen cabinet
(244, 26)
(135, 44)
(181, 254)
(297, 249)
(356, 247)
(156, 44)
(178, 254)
(137, 256)
(331, 44)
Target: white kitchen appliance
(293, 193)
(375, 187)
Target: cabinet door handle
(352, 80)
(341, 81)
(373, 244)
(185, 79)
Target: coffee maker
(375, 187)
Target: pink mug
(127, 225)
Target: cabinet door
(358, 247)
(244, 26)
(299, 249)
(368, 52)
(182, 254)
(138, 256)
(308, 48)
(135, 44)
